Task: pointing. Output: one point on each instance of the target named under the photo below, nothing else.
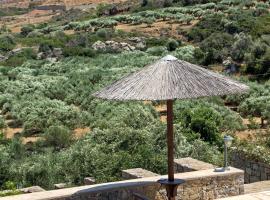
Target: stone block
(60, 185)
(89, 181)
(137, 173)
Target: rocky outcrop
(2, 58)
(89, 180)
(139, 42)
(112, 46)
(55, 53)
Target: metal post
(225, 157)
(170, 142)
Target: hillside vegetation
(48, 72)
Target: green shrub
(9, 185)
(78, 51)
(2, 123)
(185, 53)
(172, 45)
(102, 33)
(216, 47)
(7, 43)
(58, 136)
(26, 30)
(19, 58)
(153, 41)
(157, 51)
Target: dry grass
(80, 132)
(159, 28)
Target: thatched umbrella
(169, 79)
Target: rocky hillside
(67, 3)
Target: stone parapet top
(62, 193)
(193, 164)
(137, 173)
(252, 196)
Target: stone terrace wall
(199, 185)
(254, 170)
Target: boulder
(32, 189)
(60, 185)
(57, 52)
(99, 46)
(89, 180)
(2, 58)
(139, 42)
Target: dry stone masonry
(254, 170)
(199, 185)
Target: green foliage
(241, 46)
(172, 45)
(157, 51)
(7, 43)
(252, 151)
(9, 193)
(58, 136)
(102, 33)
(9, 185)
(2, 123)
(19, 58)
(78, 51)
(185, 53)
(26, 30)
(256, 106)
(216, 47)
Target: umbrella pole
(170, 138)
(170, 184)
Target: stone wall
(254, 170)
(199, 185)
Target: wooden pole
(170, 139)
(170, 184)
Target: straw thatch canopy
(168, 79)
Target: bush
(153, 41)
(185, 53)
(172, 45)
(2, 123)
(19, 58)
(216, 47)
(9, 185)
(102, 33)
(26, 30)
(78, 51)
(157, 51)
(7, 43)
(58, 136)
